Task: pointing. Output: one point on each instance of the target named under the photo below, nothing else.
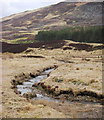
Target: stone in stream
(34, 85)
(20, 82)
(17, 92)
(30, 95)
(32, 75)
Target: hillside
(52, 17)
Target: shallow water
(27, 86)
(62, 61)
(42, 97)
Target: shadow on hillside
(18, 48)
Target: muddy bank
(86, 97)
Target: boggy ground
(81, 72)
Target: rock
(19, 92)
(24, 95)
(32, 75)
(30, 95)
(34, 85)
(20, 82)
(43, 46)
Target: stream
(26, 87)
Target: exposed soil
(82, 71)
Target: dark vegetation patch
(32, 56)
(79, 46)
(67, 48)
(90, 34)
(55, 39)
(18, 48)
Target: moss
(58, 80)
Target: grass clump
(58, 80)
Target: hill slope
(52, 17)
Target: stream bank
(35, 89)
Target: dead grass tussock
(28, 107)
(48, 113)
